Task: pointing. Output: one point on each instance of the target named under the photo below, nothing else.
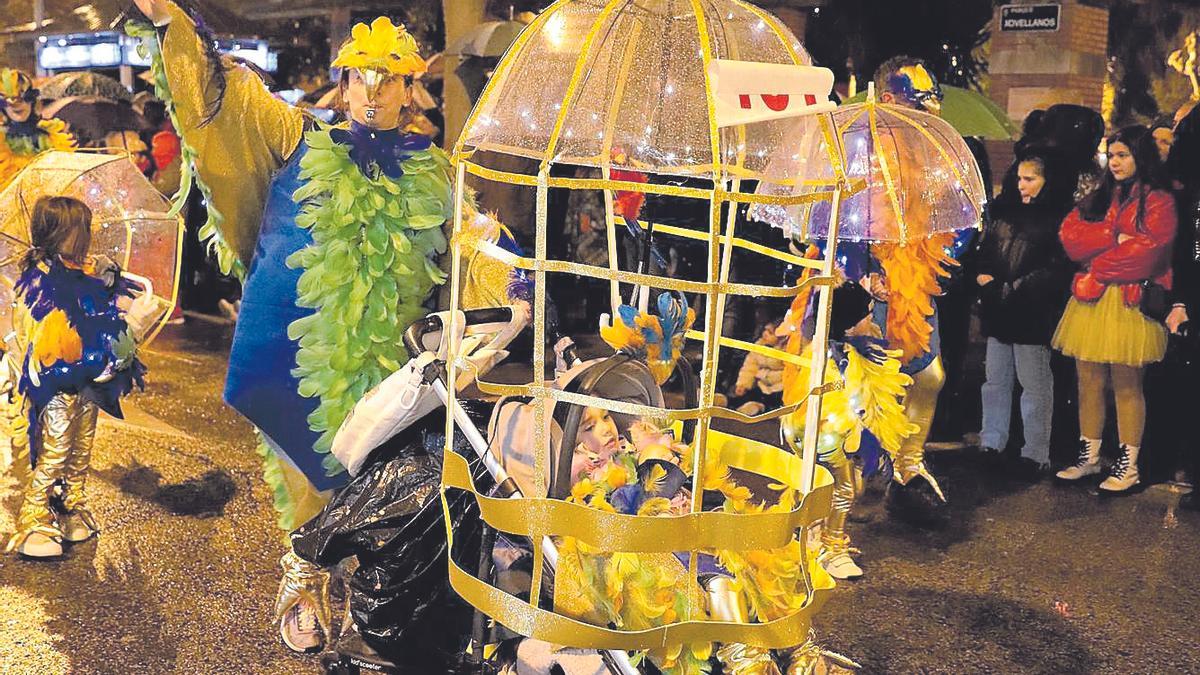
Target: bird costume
(79, 357)
(333, 230)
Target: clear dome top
(628, 77)
(921, 178)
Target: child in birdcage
(648, 472)
(76, 332)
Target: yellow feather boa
(11, 161)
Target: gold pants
(68, 429)
(846, 488)
(17, 423)
(920, 404)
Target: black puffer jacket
(1021, 249)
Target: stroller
(401, 614)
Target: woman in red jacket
(1121, 235)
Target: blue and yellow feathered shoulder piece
(78, 340)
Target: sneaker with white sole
(302, 604)
(77, 526)
(834, 556)
(841, 566)
(38, 545)
(1087, 464)
(1124, 473)
(300, 630)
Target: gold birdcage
(620, 86)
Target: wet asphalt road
(1021, 579)
(182, 577)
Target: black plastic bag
(390, 516)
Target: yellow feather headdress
(383, 47)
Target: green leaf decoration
(370, 268)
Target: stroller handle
(414, 337)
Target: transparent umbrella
(133, 223)
(921, 177)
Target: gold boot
(835, 553)
(920, 404)
(59, 421)
(725, 603)
(78, 524)
(741, 659)
(810, 659)
(302, 601)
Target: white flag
(747, 91)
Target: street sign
(1030, 17)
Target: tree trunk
(460, 16)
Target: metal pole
(820, 343)
(39, 18)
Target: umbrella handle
(147, 286)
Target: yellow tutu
(1109, 331)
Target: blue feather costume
(51, 292)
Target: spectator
(1023, 275)
(165, 148)
(128, 142)
(1122, 235)
(759, 385)
(1182, 396)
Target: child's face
(596, 442)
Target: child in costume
(334, 231)
(648, 473)
(79, 359)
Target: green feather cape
(370, 268)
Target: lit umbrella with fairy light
(134, 225)
(921, 177)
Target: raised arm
(236, 136)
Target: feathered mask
(16, 85)
(657, 338)
(916, 87)
(381, 47)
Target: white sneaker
(1087, 464)
(299, 629)
(1124, 473)
(38, 545)
(841, 566)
